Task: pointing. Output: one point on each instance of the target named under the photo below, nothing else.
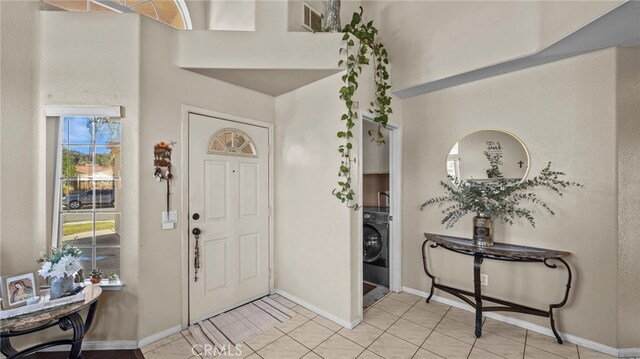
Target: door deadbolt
(196, 216)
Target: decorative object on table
(369, 51)
(42, 302)
(79, 276)
(113, 277)
(62, 267)
(33, 300)
(496, 197)
(162, 162)
(17, 290)
(332, 22)
(95, 275)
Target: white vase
(61, 286)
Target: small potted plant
(96, 275)
(113, 278)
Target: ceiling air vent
(311, 19)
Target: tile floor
(401, 325)
(373, 296)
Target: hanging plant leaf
(368, 49)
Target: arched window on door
(232, 142)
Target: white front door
(229, 204)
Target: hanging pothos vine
(360, 48)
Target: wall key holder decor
(162, 172)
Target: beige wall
(163, 89)
(431, 40)
(131, 61)
(318, 239)
(565, 112)
(558, 19)
(628, 89)
(21, 235)
(313, 254)
(77, 70)
(126, 60)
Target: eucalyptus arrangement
(361, 48)
(497, 198)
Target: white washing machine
(375, 246)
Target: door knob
(196, 231)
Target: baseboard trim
(159, 336)
(629, 352)
(99, 345)
(115, 345)
(622, 353)
(313, 308)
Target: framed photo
(17, 289)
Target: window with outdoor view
(90, 188)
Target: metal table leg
(564, 300)
(72, 321)
(426, 270)
(477, 264)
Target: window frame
(236, 150)
(59, 112)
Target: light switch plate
(169, 220)
(166, 226)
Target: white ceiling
(269, 81)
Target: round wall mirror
(487, 155)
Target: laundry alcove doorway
(387, 206)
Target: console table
(502, 252)
(65, 316)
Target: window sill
(106, 286)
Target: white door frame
(184, 190)
(395, 208)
